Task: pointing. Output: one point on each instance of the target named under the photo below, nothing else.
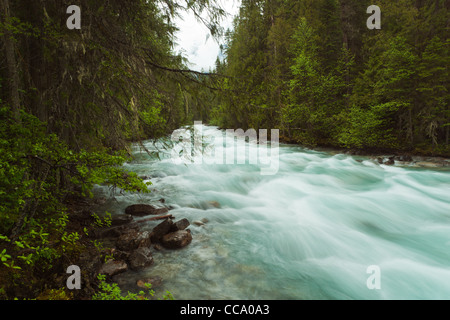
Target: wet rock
(113, 267)
(141, 210)
(180, 225)
(177, 239)
(140, 258)
(201, 222)
(114, 231)
(390, 161)
(121, 219)
(198, 223)
(121, 255)
(133, 239)
(155, 281)
(212, 204)
(161, 229)
(404, 158)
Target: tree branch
(183, 71)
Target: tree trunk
(11, 61)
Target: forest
(315, 70)
(73, 101)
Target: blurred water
(308, 232)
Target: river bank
(383, 156)
(113, 245)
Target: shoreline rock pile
(131, 247)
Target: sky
(195, 42)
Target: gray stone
(160, 230)
(113, 267)
(180, 225)
(121, 219)
(177, 239)
(140, 258)
(133, 239)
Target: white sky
(193, 40)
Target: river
(324, 226)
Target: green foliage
(33, 167)
(55, 294)
(312, 69)
(111, 291)
(365, 128)
(73, 103)
(102, 223)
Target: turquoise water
(310, 231)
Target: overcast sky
(193, 40)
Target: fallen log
(167, 216)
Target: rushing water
(310, 231)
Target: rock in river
(121, 219)
(113, 267)
(140, 258)
(141, 210)
(160, 230)
(180, 225)
(177, 239)
(133, 239)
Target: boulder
(115, 231)
(180, 225)
(204, 220)
(113, 267)
(141, 210)
(140, 258)
(404, 158)
(201, 222)
(121, 255)
(213, 204)
(160, 230)
(121, 219)
(177, 239)
(198, 223)
(133, 239)
(390, 161)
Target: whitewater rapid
(310, 231)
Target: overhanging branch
(184, 71)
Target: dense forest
(72, 100)
(313, 69)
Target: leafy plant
(113, 292)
